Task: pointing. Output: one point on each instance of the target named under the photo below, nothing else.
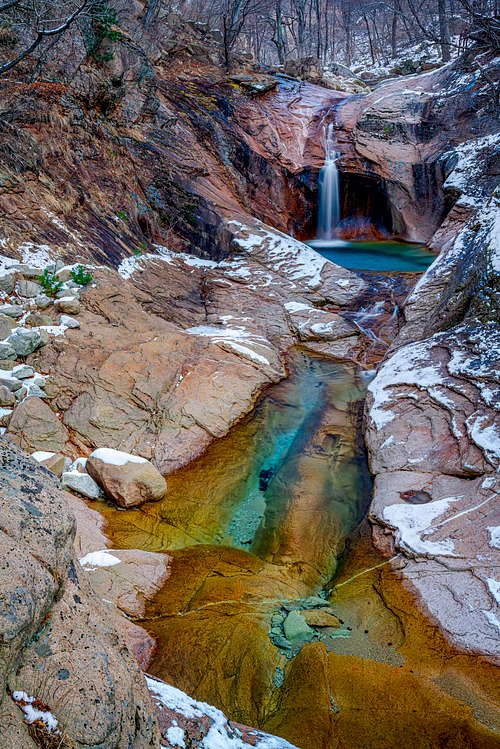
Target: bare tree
(41, 22)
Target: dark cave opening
(366, 210)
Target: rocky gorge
(262, 478)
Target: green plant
(81, 276)
(49, 283)
(137, 252)
(408, 67)
(122, 215)
(103, 26)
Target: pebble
(69, 322)
(42, 301)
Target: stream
(278, 608)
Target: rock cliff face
(191, 149)
(433, 434)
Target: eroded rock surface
(59, 644)
(433, 434)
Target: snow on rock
(184, 713)
(40, 456)
(494, 531)
(450, 283)
(494, 588)
(32, 713)
(128, 479)
(470, 160)
(175, 736)
(457, 372)
(433, 436)
(241, 341)
(295, 261)
(99, 559)
(116, 457)
(413, 522)
(81, 483)
(284, 252)
(408, 366)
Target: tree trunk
(444, 32)
(394, 43)
(369, 39)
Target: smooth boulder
(25, 341)
(81, 483)
(128, 479)
(34, 426)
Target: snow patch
(32, 714)
(116, 457)
(99, 559)
(40, 456)
(175, 736)
(405, 367)
(413, 522)
(494, 532)
(494, 588)
(220, 735)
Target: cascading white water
(328, 187)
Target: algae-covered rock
(296, 628)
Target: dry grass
(49, 739)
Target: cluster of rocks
(128, 480)
(28, 317)
(297, 622)
(332, 76)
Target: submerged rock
(296, 628)
(128, 479)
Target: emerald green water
(375, 256)
(292, 470)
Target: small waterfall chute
(328, 187)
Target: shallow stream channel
(278, 608)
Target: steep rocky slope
(433, 430)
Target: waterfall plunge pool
(381, 256)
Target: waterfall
(328, 187)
